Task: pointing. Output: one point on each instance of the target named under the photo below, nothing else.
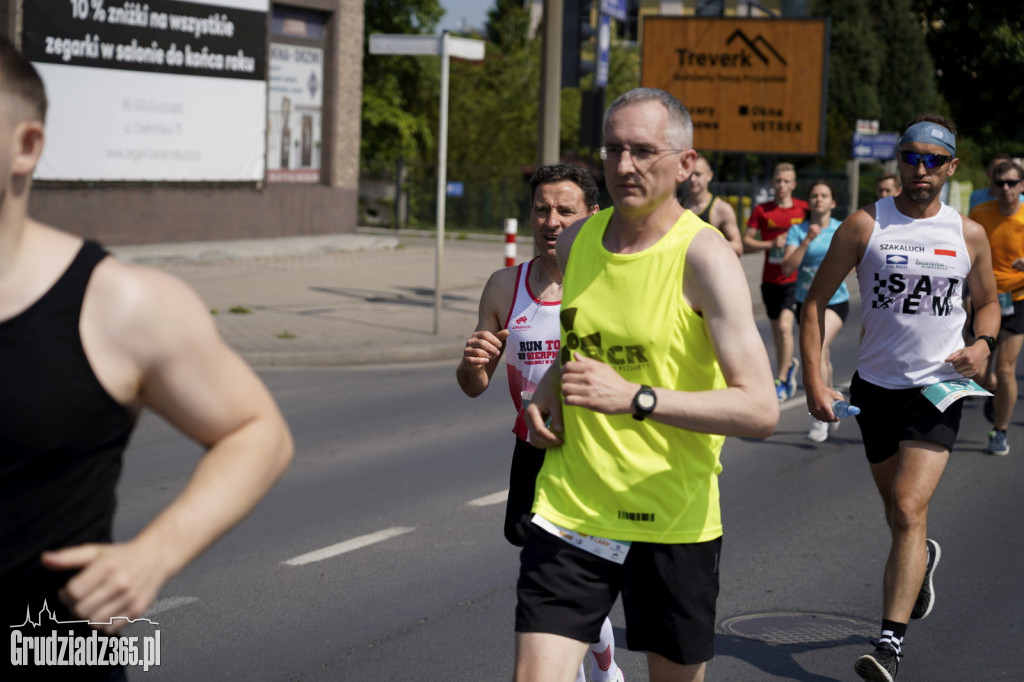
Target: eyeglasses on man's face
(930, 160)
(1006, 183)
(640, 154)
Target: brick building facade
(148, 212)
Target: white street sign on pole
(445, 46)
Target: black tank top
(705, 215)
(61, 440)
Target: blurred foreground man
(86, 342)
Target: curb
(241, 249)
(343, 358)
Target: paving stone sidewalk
(350, 299)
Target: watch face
(645, 401)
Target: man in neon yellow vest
(660, 360)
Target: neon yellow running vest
(613, 476)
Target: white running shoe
(818, 431)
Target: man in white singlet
(913, 256)
(519, 310)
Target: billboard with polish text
(155, 91)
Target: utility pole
(550, 83)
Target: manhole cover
(800, 629)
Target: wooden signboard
(751, 85)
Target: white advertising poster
(162, 91)
(296, 99)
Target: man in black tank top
(713, 210)
(85, 343)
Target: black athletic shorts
(1014, 323)
(668, 594)
(889, 416)
(778, 297)
(522, 485)
(840, 309)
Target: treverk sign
(751, 85)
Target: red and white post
(511, 227)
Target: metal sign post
(445, 46)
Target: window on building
(295, 101)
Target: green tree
(854, 70)
(508, 25)
(906, 84)
(493, 113)
(493, 121)
(978, 50)
(399, 93)
(623, 75)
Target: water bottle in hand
(841, 408)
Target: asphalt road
(379, 556)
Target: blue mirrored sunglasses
(930, 160)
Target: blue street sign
(616, 9)
(879, 147)
(604, 43)
(455, 189)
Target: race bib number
(1006, 303)
(945, 393)
(612, 550)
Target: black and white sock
(892, 635)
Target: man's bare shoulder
(146, 310)
(860, 224)
(970, 224)
(975, 233)
(712, 268)
(722, 211)
(503, 277)
(708, 251)
(566, 240)
(499, 292)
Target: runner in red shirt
(766, 231)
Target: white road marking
(348, 546)
(487, 500)
(169, 603)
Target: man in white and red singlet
(519, 310)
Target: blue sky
(473, 12)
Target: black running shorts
(890, 416)
(778, 297)
(840, 309)
(522, 485)
(1014, 323)
(668, 594)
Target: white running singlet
(911, 285)
(533, 341)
